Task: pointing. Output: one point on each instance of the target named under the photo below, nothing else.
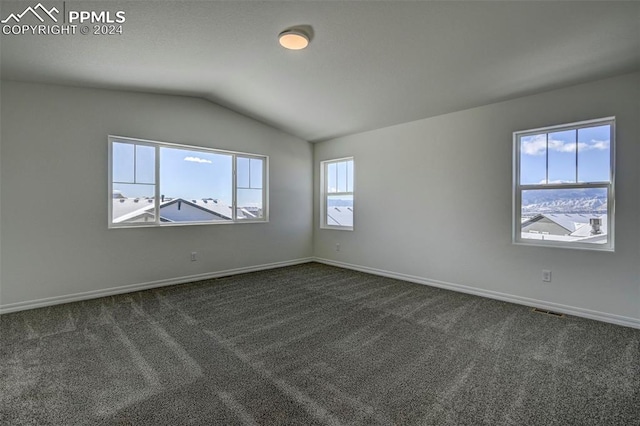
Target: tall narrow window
(337, 194)
(563, 185)
(158, 183)
(250, 187)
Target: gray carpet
(313, 344)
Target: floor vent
(544, 311)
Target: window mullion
(576, 155)
(265, 186)
(547, 159)
(234, 193)
(157, 182)
(325, 208)
(135, 163)
(347, 176)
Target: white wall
(55, 240)
(433, 197)
(433, 201)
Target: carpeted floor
(313, 344)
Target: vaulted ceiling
(369, 64)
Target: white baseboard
(566, 309)
(550, 306)
(94, 294)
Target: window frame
(518, 188)
(156, 201)
(324, 193)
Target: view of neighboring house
(591, 228)
(135, 210)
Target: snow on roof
(596, 239)
(578, 224)
(126, 209)
(585, 230)
(569, 221)
(219, 208)
(340, 216)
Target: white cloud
(561, 146)
(594, 144)
(537, 145)
(197, 160)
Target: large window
(564, 185)
(337, 194)
(157, 183)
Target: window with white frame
(337, 178)
(564, 185)
(157, 183)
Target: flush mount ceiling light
(293, 39)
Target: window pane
(533, 159)
(250, 172)
(340, 210)
(350, 176)
(569, 215)
(249, 204)
(594, 154)
(562, 156)
(133, 203)
(342, 176)
(145, 164)
(243, 172)
(122, 162)
(132, 190)
(256, 172)
(332, 183)
(196, 186)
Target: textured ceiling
(369, 65)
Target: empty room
(319, 212)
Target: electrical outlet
(337, 246)
(546, 275)
(194, 256)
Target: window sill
(171, 225)
(547, 244)
(337, 228)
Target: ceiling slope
(369, 64)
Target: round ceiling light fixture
(293, 39)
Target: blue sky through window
(594, 154)
(184, 173)
(191, 174)
(557, 153)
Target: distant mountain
(592, 200)
(339, 203)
